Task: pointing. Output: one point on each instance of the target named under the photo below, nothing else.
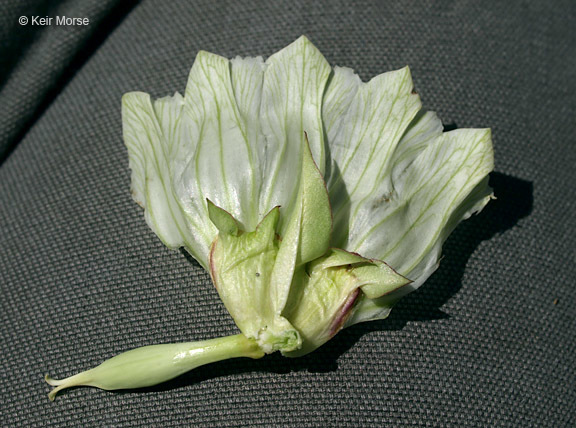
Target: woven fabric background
(489, 340)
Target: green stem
(151, 365)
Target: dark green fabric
(489, 340)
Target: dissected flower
(315, 200)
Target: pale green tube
(151, 365)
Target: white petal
(150, 134)
(362, 147)
(294, 84)
(445, 184)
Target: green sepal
(222, 219)
(308, 232)
(325, 294)
(378, 279)
(315, 214)
(338, 257)
(241, 266)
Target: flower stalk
(154, 364)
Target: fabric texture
(489, 340)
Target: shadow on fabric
(514, 202)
